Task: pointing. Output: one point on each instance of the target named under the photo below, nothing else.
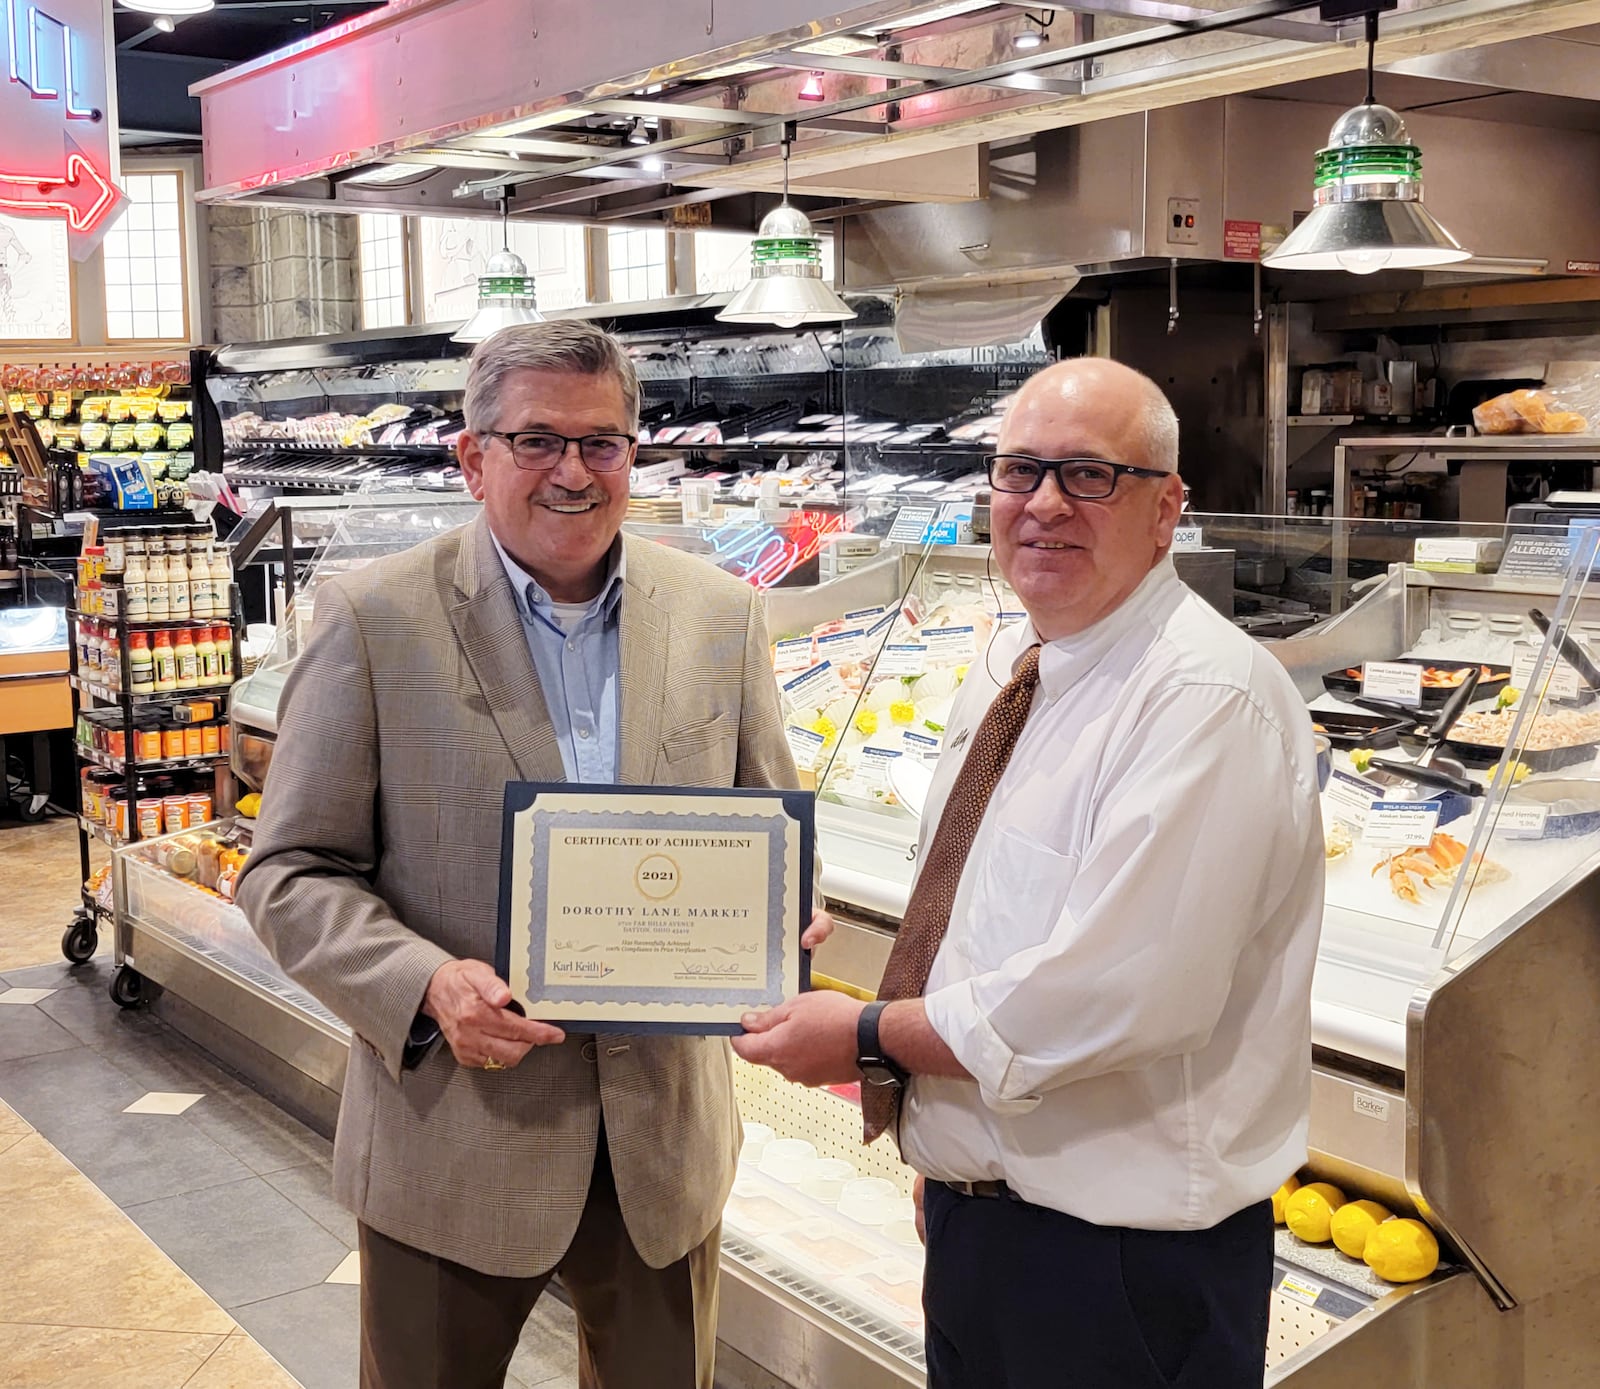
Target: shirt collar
(533, 600)
(1065, 661)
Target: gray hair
(1158, 424)
(559, 344)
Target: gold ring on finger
(490, 1064)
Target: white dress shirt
(1127, 973)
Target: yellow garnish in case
(961, 673)
(1520, 772)
(866, 722)
(826, 727)
(1507, 697)
(1361, 758)
(903, 711)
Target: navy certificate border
(799, 806)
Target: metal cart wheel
(81, 940)
(127, 987)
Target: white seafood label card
(1395, 680)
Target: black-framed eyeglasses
(1087, 479)
(538, 450)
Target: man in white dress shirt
(1094, 1029)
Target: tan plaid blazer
(376, 860)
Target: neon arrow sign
(58, 156)
(83, 194)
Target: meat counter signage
(58, 159)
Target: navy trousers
(1018, 1296)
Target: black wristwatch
(876, 1067)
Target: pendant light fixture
(1368, 212)
(505, 289)
(786, 286)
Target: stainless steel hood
(1121, 193)
(428, 105)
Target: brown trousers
(428, 1323)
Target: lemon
(249, 806)
(1353, 1222)
(867, 723)
(1361, 758)
(1281, 1196)
(1402, 1251)
(826, 727)
(1309, 1212)
(1507, 697)
(902, 711)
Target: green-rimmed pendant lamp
(786, 285)
(505, 291)
(1368, 212)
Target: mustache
(560, 496)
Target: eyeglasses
(1087, 479)
(538, 451)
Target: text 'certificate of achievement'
(653, 909)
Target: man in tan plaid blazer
(534, 643)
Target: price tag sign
(1301, 1288)
(951, 643)
(806, 747)
(903, 658)
(1565, 682)
(1005, 619)
(865, 617)
(789, 657)
(874, 765)
(843, 647)
(921, 744)
(1187, 538)
(815, 689)
(1349, 798)
(1400, 824)
(1522, 821)
(880, 629)
(1395, 680)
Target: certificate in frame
(653, 908)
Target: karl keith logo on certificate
(652, 908)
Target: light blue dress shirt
(579, 667)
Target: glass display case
(1459, 903)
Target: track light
(1034, 31)
(811, 88)
(163, 23)
(637, 134)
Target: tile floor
(165, 1226)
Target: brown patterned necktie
(927, 915)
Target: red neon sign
(82, 193)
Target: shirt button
(572, 646)
(583, 732)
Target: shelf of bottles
(156, 626)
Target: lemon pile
(1396, 1248)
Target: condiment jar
(178, 586)
(166, 661)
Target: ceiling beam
(1300, 30)
(1544, 66)
(859, 65)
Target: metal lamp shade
(786, 285)
(1364, 237)
(505, 299)
(1369, 214)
